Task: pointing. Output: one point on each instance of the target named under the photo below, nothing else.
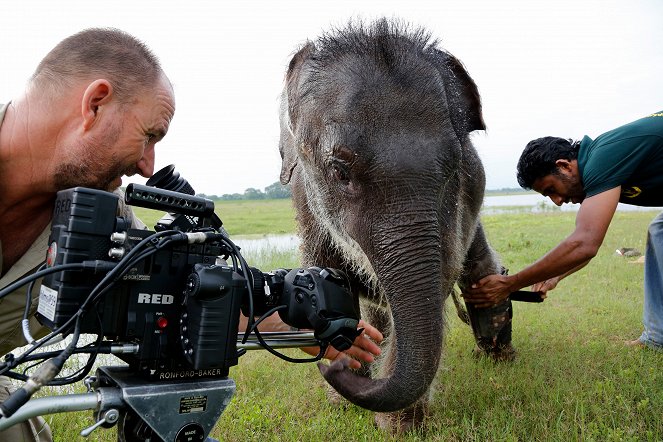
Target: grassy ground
(244, 217)
(573, 379)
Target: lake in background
(538, 203)
(526, 202)
(252, 246)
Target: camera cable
(266, 346)
(106, 283)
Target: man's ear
(97, 94)
(564, 165)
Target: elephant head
(375, 123)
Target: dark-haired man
(623, 165)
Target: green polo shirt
(630, 156)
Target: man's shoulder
(641, 135)
(648, 126)
(32, 258)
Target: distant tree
(209, 197)
(507, 190)
(273, 191)
(253, 194)
(231, 197)
(278, 190)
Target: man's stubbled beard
(575, 189)
(89, 169)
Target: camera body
(176, 309)
(147, 303)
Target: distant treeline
(507, 190)
(273, 191)
(278, 191)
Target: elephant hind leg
(492, 325)
(492, 331)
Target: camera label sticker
(193, 404)
(48, 299)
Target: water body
(527, 202)
(535, 202)
(526, 199)
(280, 243)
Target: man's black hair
(539, 157)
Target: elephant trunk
(415, 294)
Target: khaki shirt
(12, 306)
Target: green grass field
(244, 217)
(573, 379)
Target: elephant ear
(288, 112)
(462, 95)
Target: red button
(51, 254)
(162, 322)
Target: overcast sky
(565, 68)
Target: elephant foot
(402, 421)
(500, 353)
(334, 398)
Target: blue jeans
(652, 336)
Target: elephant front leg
(411, 418)
(491, 325)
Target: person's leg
(652, 335)
(32, 430)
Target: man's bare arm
(592, 221)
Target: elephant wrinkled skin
(375, 123)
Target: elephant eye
(340, 172)
(342, 162)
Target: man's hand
(547, 285)
(364, 348)
(489, 291)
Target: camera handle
(172, 409)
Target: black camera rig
(168, 303)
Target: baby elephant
(375, 123)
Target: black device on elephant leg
(492, 325)
(492, 329)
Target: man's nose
(557, 200)
(146, 163)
